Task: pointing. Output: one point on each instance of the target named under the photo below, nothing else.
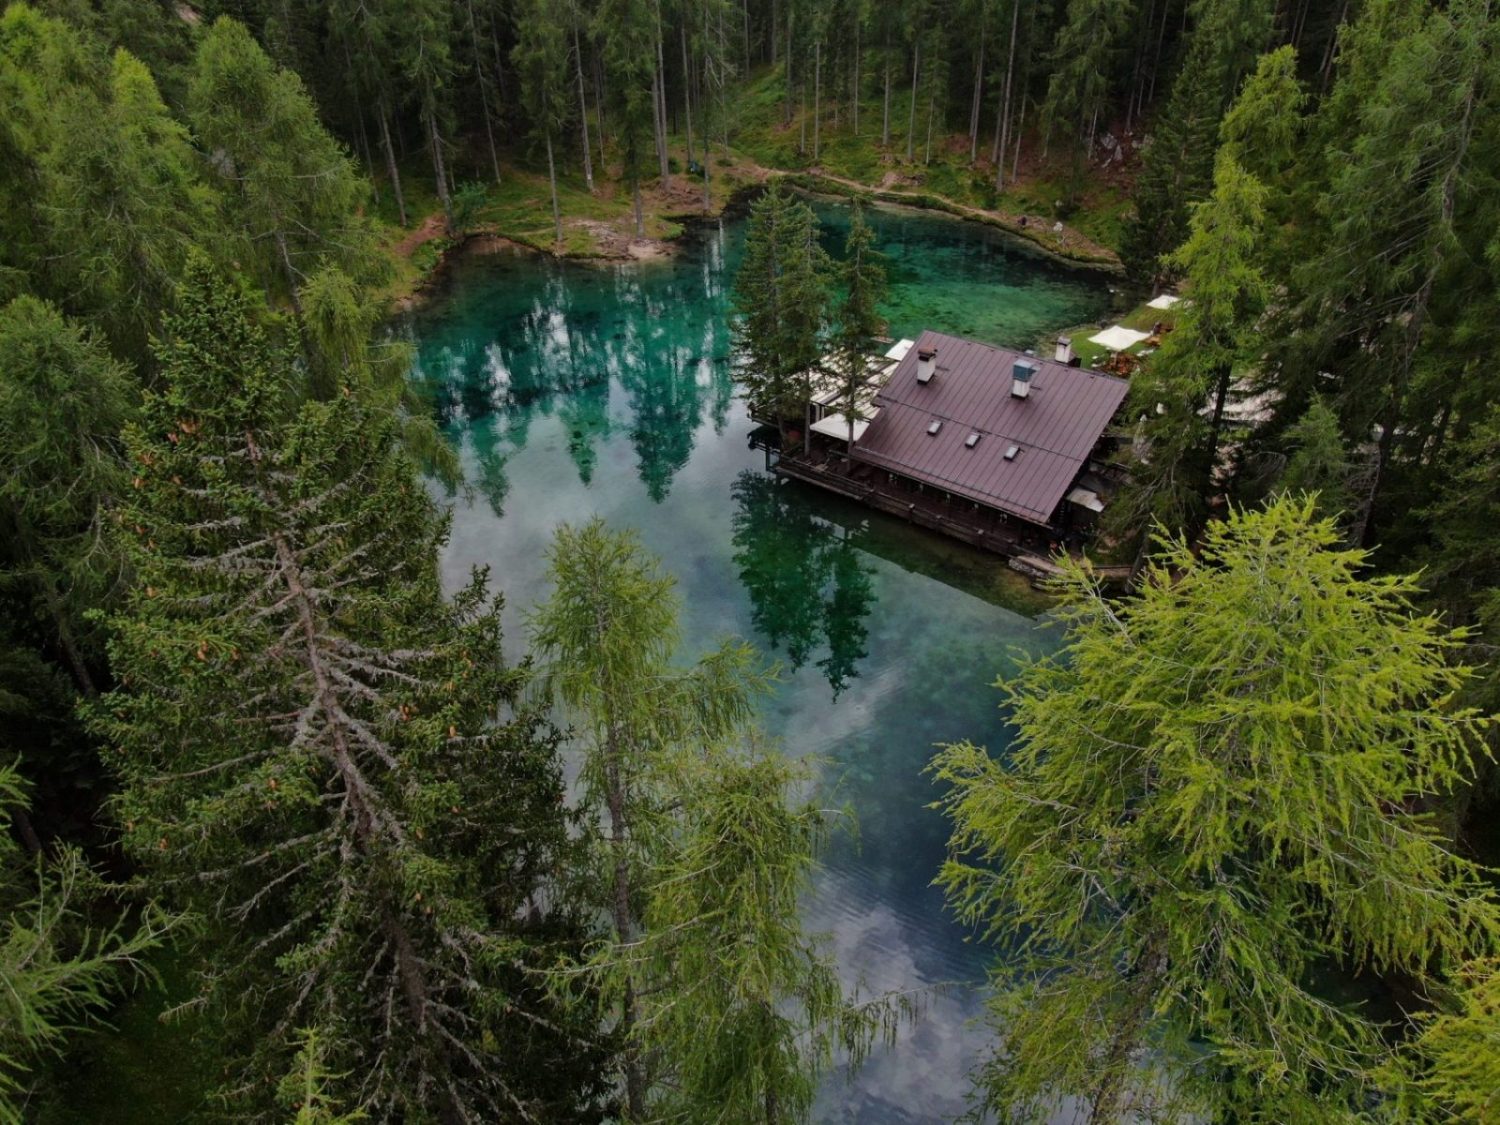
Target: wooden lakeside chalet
(999, 448)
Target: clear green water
(575, 389)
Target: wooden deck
(1027, 549)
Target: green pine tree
(313, 751)
(1216, 791)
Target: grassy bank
(765, 142)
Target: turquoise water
(573, 390)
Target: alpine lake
(579, 389)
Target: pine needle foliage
(727, 1011)
(780, 301)
(61, 959)
(1217, 788)
(1452, 1070)
(321, 755)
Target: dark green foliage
(65, 951)
(307, 735)
(781, 298)
(62, 404)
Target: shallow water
(573, 390)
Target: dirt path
(431, 228)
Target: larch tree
(725, 1009)
(326, 759)
(290, 190)
(1450, 1070)
(628, 31)
(1217, 788)
(61, 966)
(63, 401)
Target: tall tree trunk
(911, 122)
(885, 127)
(1002, 124)
(687, 97)
(583, 113)
(635, 192)
(390, 165)
(788, 79)
(817, 99)
(552, 180)
(484, 108)
(439, 166)
(978, 101)
(661, 100)
(53, 601)
(855, 107)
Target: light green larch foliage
(1216, 791)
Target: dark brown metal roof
(1054, 428)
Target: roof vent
(934, 426)
(1011, 451)
(926, 365)
(971, 441)
(1064, 349)
(1022, 372)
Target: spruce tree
(1178, 168)
(856, 319)
(780, 297)
(1217, 788)
(1180, 397)
(324, 757)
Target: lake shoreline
(613, 247)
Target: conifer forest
(359, 765)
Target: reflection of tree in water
(672, 370)
(661, 332)
(807, 583)
(944, 694)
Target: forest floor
(766, 141)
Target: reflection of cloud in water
(574, 391)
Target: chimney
(926, 364)
(1064, 350)
(1021, 372)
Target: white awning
(1118, 338)
(1165, 301)
(1086, 498)
(837, 426)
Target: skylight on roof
(971, 441)
(934, 426)
(1011, 451)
